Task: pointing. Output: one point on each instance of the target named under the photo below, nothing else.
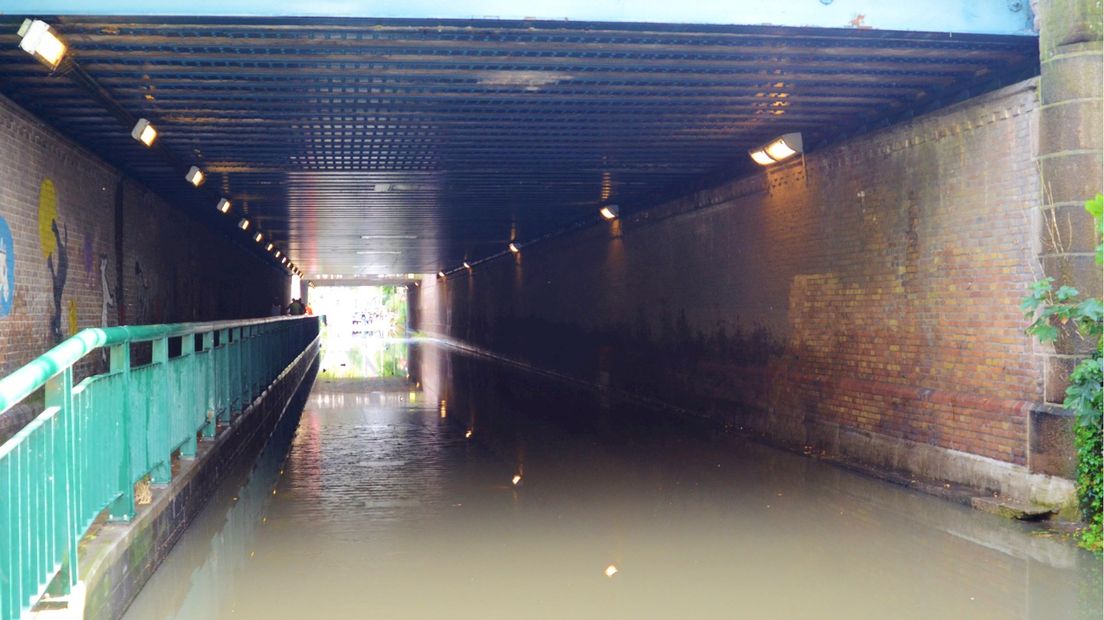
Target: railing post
(59, 393)
(210, 394)
(222, 376)
(122, 509)
(187, 358)
(162, 472)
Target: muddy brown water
(375, 504)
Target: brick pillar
(1071, 160)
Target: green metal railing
(95, 440)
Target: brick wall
(174, 269)
(876, 290)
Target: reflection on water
(358, 357)
(562, 505)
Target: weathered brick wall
(879, 294)
(174, 269)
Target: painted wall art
(54, 244)
(7, 269)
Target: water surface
(378, 505)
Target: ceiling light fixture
(268, 248)
(440, 274)
(258, 236)
(38, 39)
(514, 247)
(223, 205)
(243, 224)
(781, 148)
(144, 132)
(610, 212)
(466, 265)
(195, 176)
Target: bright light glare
(39, 40)
(609, 212)
(466, 265)
(611, 570)
(468, 434)
(144, 132)
(779, 150)
(516, 479)
(514, 248)
(440, 274)
(761, 157)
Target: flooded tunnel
(585, 310)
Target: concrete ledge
(930, 463)
(116, 559)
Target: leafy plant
(1057, 311)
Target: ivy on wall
(1063, 310)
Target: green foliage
(1056, 311)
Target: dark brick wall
(879, 293)
(174, 269)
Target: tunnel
(550, 310)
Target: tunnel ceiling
(391, 146)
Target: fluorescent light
(466, 265)
(144, 132)
(760, 156)
(195, 176)
(277, 254)
(610, 211)
(243, 224)
(440, 274)
(514, 247)
(776, 150)
(516, 479)
(39, 40)
(223, 205)
(258, 236)
(268, 248)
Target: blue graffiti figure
(58, 276)
(7, 269)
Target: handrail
(34, 375)
(84, 453)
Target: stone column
(1071, 165)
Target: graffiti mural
(7, 269)
(54, 245)
(89, 254)
(143, 309)
(72, 317)
(105, 287)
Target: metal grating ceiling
(392, 146)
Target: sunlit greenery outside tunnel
(363, 333)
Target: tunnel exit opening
(365, 330)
